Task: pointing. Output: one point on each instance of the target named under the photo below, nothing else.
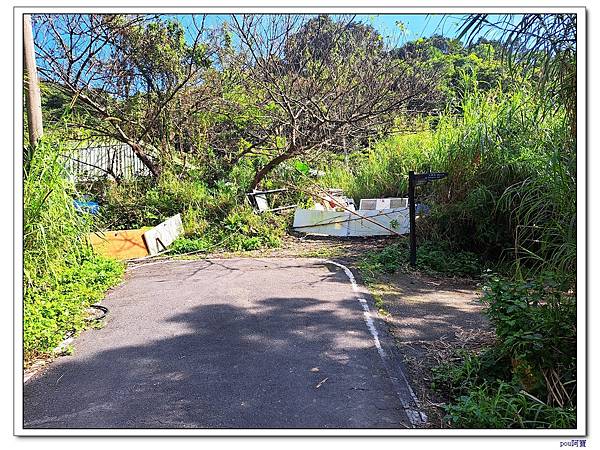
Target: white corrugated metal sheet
(98, 161)
(383, 203)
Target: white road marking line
(371, 326)
(416, 417)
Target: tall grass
(61, 276)
(511, 186)
(382, 170)
(544, 208)
(52, 230)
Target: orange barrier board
(122, 244)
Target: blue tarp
(86, 206)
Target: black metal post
(412, 214)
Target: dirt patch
(430, 319)
(347, 250)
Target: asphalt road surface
(232, 343)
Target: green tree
(125, 71)
(323, 84)
(541, 45)
(459, 66)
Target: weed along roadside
(439, 172)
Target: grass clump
(504, 405)
(432, 257)
(240, 230)
(323, 252)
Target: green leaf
(302, 167)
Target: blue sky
(415, 25)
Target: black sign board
(430, 176)
(413, 180)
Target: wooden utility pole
(33, 97)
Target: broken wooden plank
(121, 244)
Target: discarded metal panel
(260, 203)
(330, 223)
(396, 219)
(123, 244)
(336, 223)
(382, 203)
(161, 236)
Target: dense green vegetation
(510, 199)
(61, 275)
(529, 378)
(506, 175)
(215, 117)
(214, 217)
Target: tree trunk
(33, 98)
(153, 168)
(270, 166)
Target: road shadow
(425, 309)
(280, 363)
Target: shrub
(535, 324)
(54, 308)
(528, 378)
(240, 230)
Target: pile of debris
(129, 244)
(334, 214)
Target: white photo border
(308, 7)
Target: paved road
(244, 343)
